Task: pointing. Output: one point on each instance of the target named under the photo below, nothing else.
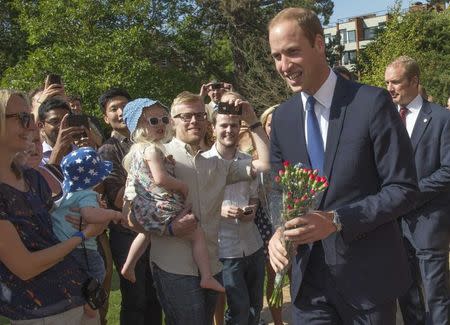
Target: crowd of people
(181, 199)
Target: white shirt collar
(415, 104)
(325, 93)
(46, 147)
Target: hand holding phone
(248, 210)
(227, 108)
(53, 79)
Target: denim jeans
(243, 279)
(96, 267)
(182, 299)
(140, 305)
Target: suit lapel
(336, 121)
(423, 119)
(299, 127)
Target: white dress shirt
(414, 108)
(238, 239)
(324, 97)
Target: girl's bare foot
(211, 283)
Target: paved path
(265, 314)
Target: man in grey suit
(426, 229)
(350, 264)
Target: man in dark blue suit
(426, 229)
(350, 265)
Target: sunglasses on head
(25, 118)
(156, 120)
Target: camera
(53, 79)
(226, 108)
(217, 85)
(94, 293)
(248, 210)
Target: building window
(369, 33)
(349, 57)
(327, 38)
(343, 33)
(351, 36)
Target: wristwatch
(337, 221)
(254, 126)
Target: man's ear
(319, 42)
(105, 118)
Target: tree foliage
(152, 48)
(423, 35)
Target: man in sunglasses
(174, 270)
(59, 138)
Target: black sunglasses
(24, 117)
(155, 120)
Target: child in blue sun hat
(153, 195)
(83, 169)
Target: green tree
(98, 44)
(13, 44)
(244, 24)
(423, 35)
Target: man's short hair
(73, 98)
(51, 104)
(409, 64)
(307, 20)
(185, 97)
(110, 94)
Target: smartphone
(226, 108)
(53, 79)
(78, 120)
(217, 85)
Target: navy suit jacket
(428, 226)
(370, 168)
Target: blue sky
(351, 8)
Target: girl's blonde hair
(142, 139)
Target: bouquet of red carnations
(300, 187)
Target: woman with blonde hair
(38, 284)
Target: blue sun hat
(83, 169)
(133, 110)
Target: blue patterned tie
(315, 142)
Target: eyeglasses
(24, 117)
(156, 120)
(187, 117)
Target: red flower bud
(285, 163)
(289, 194)
(289, 207)
(281, 172)
(277, 179)
(312, 177)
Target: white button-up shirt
(324, 97)
(414, 108)
(238, 238)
